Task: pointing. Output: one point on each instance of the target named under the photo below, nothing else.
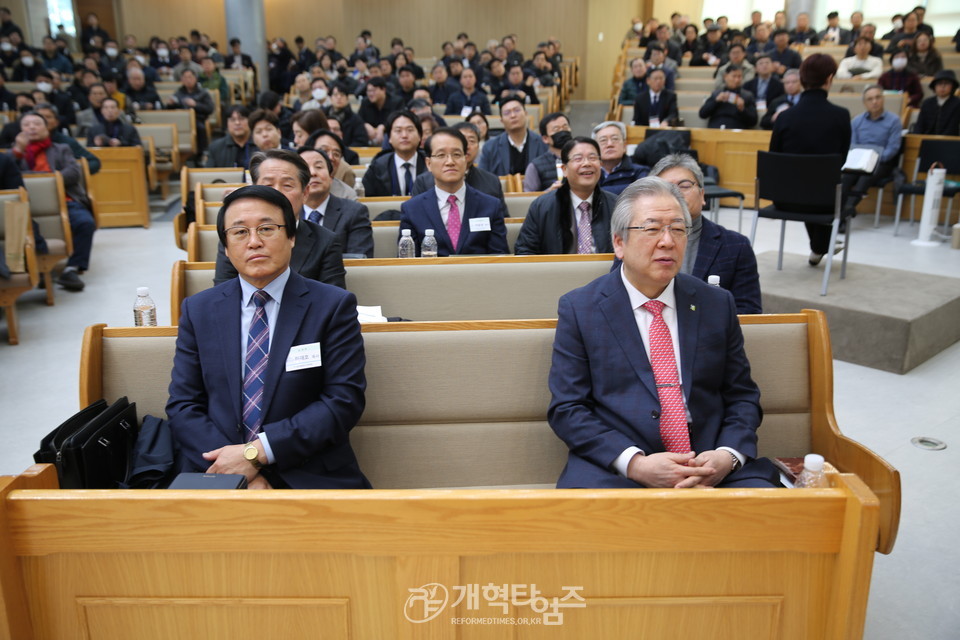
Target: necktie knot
(452, 200)
(314, 217)
(584, 208)
(260, 298)
(654, 306)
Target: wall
(167, 18)
(607, 23)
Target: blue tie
(255, 364)
(314, 217)
(654, 106)
(408, 179)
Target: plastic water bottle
(407, 247)
(559, 170)
(812, 475)
(428, 248)
(144, 309)
(713, 281)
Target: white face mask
(275, 48)
(27, 62)
(46, 87)
(6, 46)
(163, 53)
(898, 24)
(638, 27)
(899, 63)
(112, 52)
(319, 94)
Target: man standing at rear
(651, 386)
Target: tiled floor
(38, 389)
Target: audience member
(834, 34)
(691, 41)
(617, 170)
(543, 171)
(791, 96)
(635, 84)
(465, 220)
(765, 85)
(574, 218)
(317, 254)
(304, 123)
(924, 58)
(940, 113)
(376, 109)
(352, 126)
(879, 128)
(869, 32)
(655, 106)
(711, 52)
(113, 131)
(348, 219)
(441, 88)
(658, 60)
(236, 148)
(760, 43)
(511, 151)
(211, 80)
(804, 33)
(392, 172)
(190, 95)
(52, 59)
(781, 54)
(736, 56)
(731, 107)
(856, 24)
(904, 39)
(468, 98)
(900, 78)
(332, 145)
(265, 131)
(862, 64)
(140, 95)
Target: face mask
(6, 46)
(638, 27)
(898, 24)
(319, 94)
(899, 63)
(46, 87)
(27, 62)
(163, 53)
(275, 48)
(112, 52)
(561, 138)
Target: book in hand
(861, 160)
(209, 481)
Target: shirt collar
(274, 289)
(522, 144)
(637, 299)
(443, 196)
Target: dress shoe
(70, 280)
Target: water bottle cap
(813, 462)
(713, 280)
(405, 232)
(143, 292)
(428, 232)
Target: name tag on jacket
(479, 224)
(304, 356)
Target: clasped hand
(680, 470)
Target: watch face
(250, 452)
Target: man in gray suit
(349, 220)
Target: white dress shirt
(444, 204)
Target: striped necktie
(255, 366)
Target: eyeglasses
(580, 158)
(511, 112)
(678, 231)
(611, 139)
(456, 156)
(265, 231)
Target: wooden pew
(121, 187)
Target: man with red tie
(464, 220)
(650, 383)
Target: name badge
(466, 111)
(654, 122)
(761, 105)
(304, 356)
(479, 224)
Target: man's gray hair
(792, 72)
(682, 160)
(648, 187)
(610, 123)
(870, 87)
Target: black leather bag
(93, 449)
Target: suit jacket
(604, 399)
(726, 114)
(774, 88)
(307, 414)
(60, 158)
(548, 227)
(728, 254)
(666, 107)
(482, 181)
(422, 212)
(129, 137)
(495, 156)
(845, 36)
(813, 113)
(317, 255)
(224, 152)
(381, 179)
(351, 222)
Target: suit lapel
(432, 208)
(293, 309)
(332, 215)
(233, 359)
(305, 240)
(469, 210)
(707, 249)
(615, 307)
(688, 324)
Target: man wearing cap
(940, 114)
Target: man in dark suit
(237, 59)
(317, 254)
(113, 131)
(833, 34)
(655, 105)
(765, 86)
(650, 383)
(392, 172)
(464, 220)
(574, 218)
(482, 181)
(236, 148)
(712, 250)
(267, 377)
(511, 151)
(348, 219)
(730, 107)
(781, 54)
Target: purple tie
(255, 364)
(584, 231)
(453, 221)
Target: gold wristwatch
(250, 454)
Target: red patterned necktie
(453, 221)
(673, 416)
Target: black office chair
(946, 152)
(809, 183)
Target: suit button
(655, 415)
